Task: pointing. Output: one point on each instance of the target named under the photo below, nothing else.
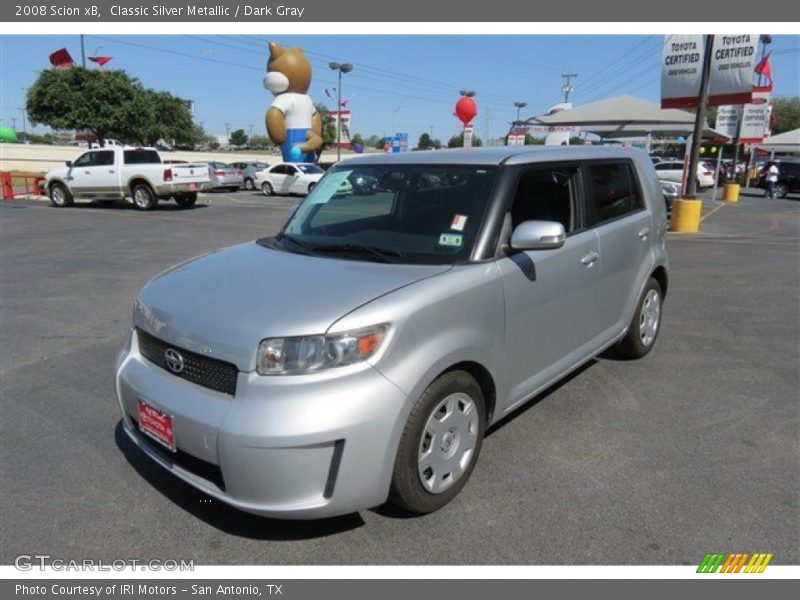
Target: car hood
(224, 303)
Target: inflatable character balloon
(292, 121)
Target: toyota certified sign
(733, 59)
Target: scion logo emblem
(174, 360)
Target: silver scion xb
(361, 353)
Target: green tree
(357, 139)
(379, 143)
(170, 120)
(457, 141)
(425, 142)
(105, 102)
(373, 140)
(785, 114)
(238, 138)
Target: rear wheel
(143, 197)
(266, 188)
(646, 323)
(60, 196)
(440, 444)
(186, 200)
(781, 189)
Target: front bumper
(289, 447)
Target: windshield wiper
(288, 241)
(380, 254)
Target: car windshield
(392, 213)
(310, 169)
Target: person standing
(771, 180)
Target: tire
(249, 184)
(266, 188)
(60, 196)
(781, 190)
(311, 186)
(423, 479)
(186, 200)
(646, 323)
(143, 197)
(233, 189)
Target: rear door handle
(589, 259)
(644, 232)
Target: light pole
(341, 68)
(520, 106)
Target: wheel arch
(484, 379)
(660, 275)
(136, 180)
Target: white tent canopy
(625, 116)
(788, 141)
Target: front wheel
(143, 197)
(60, 196)
(781, 189)
(186, 200)
(440, 444)
(646, 323)
(266, 188)
(249, 184)
(311, 186)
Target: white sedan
(673, 171)
(288, 178)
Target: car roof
(497, 155)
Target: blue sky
(400, 83)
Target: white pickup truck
(126, 172)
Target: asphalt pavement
(694, 448)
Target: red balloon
(466, 109)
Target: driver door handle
(644, 232)
(589, 259)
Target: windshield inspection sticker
(459, 222)
(450, 239)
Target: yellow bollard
(686, 215)
(730, 193)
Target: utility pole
(83, 52)
(24, 126)
(14, 123)
(699, 121)
(567, 87)
(341, 68)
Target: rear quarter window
(614, 191)
(141, 157)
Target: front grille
(190, 463)
(209, 372)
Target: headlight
(308, 354)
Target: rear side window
(141, 156)
(614, 191)
(103, 158)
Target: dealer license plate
(156, 424)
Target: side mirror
(68, 163)
(538, 235)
